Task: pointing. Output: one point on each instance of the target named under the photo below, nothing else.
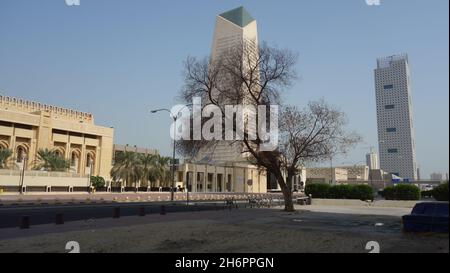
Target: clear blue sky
(120, 58)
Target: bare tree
(244, 75)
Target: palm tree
(52, 162)
(127, 167)
(4, 155)
(161, 171)
(147, 162)
(130, 168)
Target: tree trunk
(288, 202)
(287, 194)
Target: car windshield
(419, 209)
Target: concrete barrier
(142, 211)
(25, 222)
(116, 212)
(59, 219)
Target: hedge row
(401, 192)
(440, 193)
(361, 192)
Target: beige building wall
(326, 175)
(26, 127)
(222, 178)
(357, 172)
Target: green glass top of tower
(238, 16)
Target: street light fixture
(175, 118)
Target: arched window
(20, 154)
(73, 159)
(90, 159)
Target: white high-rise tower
(234, 28)
(394, 116)
(372, 160)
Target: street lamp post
(331, 169)
(90, 175)
(22, 177)
(174, 117)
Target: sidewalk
(70, 198)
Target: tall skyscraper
(394, 116)
(234, 28)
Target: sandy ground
(311, 229)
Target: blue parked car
(427, 217)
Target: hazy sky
(119, 58)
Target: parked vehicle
(427, 217)
(427, 187)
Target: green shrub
(98, 182)
(361, 192)
(402, 192)
(440, 193)
(340, 192)
(317, 190)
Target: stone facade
(222, 178)
(26, 127)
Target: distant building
(357, 172)
(437, 176)
(394, 117)
(326, 175)
(337, 174)
(117, 148)
(372, 161)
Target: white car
(427, 187)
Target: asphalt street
(46, 214)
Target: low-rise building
(330, 175)
(437, 176)
(27, 127)
(357, 172)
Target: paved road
(38, 215)
(235, 231)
